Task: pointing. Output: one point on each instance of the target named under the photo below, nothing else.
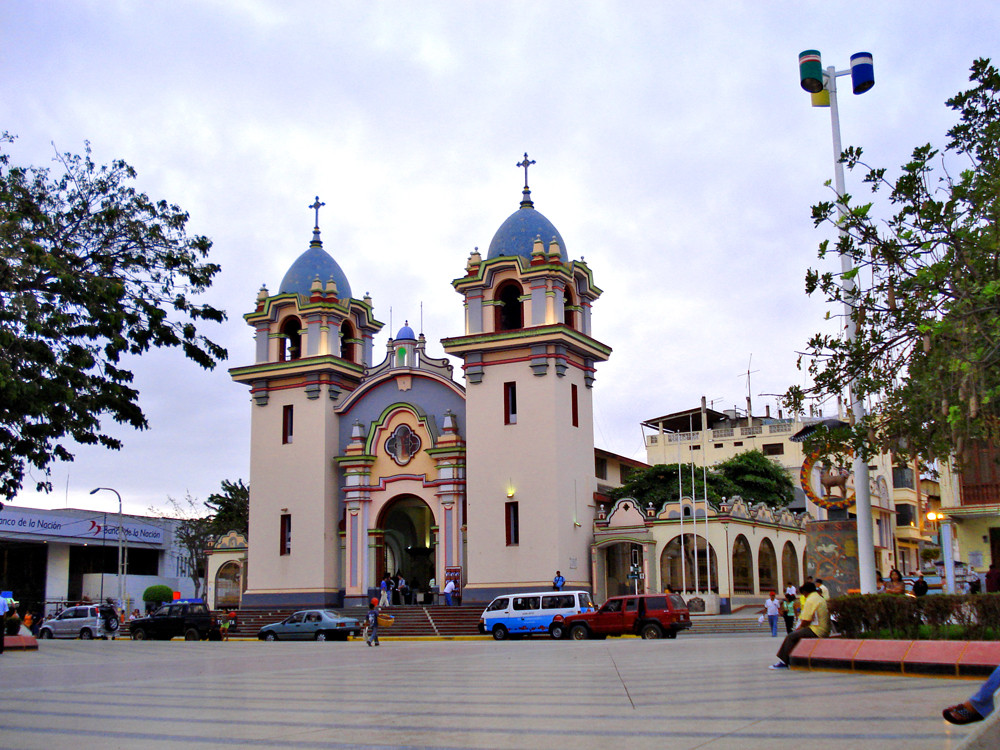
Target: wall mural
(832, 554)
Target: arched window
(348, 349)
(790, 564)
(742, 566)
(569, 311)
(767, 567)
(509, 311)
(291, 340)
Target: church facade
(360, 469)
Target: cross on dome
(526, 163)
(318, 205)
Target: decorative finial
(526, 193)
(526, 163)
(316, 207)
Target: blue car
(311, 625)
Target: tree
(90, 270)
(751, 475)
(231, 508)
(659, 484)
(757, 477)
(927, 353)
(193, 533)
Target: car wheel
(45, 633)
(499, 633)
(579, 632)
(557, 631)
(192, 634)
(270, 637)
(650, 631)
(320, 635)
(86, 635)
(138, 634)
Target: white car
(85, 621)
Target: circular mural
(825, 485)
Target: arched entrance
(790, 564)
(742, 566)
(618, 560)
(408, 548)
(227, 586)
(671, 559)
(767, 567)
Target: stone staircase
(410, 620)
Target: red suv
(645, 615)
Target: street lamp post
(823, 87)
(122, 549)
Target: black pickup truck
(191, 619)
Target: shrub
(157, 594)
(943, 616)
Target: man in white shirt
(449, 587)
(772, 607)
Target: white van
(525, 614)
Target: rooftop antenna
(421, 318)
(747, 376)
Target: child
(372, 622)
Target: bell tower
(313, 343)
(529, 361)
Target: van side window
(558, 601)
(656, 602)
(525, 602)
(631, 605)
(498, 604)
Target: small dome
(405, 334)
(314, 262)
(516, 236)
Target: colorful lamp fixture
(811, 71)
(862, 72)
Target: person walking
(384, 591)
(372, 620)
(558, 582)
(772, 608)
(789, 608)
(814, 622)
(3, 620)
(979, 705)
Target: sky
(675, 151)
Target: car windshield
(585, 601)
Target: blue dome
(516, 236)
(312, 263)
(405, 334)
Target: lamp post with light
(122, 548)
(944, 526)
(823, 87)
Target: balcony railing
(722, 432)
(778, 428)
(751, 431)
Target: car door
(311, 624)
(61, 625)
(629, 614)
(292, 628)
(159, 623)
(609, 617)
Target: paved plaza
(695, 692)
